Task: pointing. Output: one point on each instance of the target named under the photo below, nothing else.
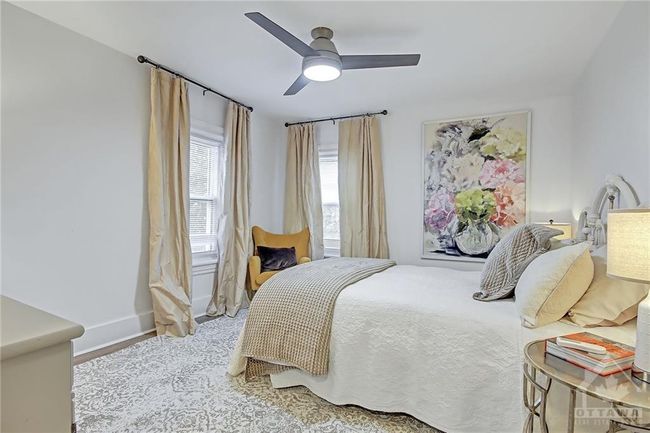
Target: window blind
(206, 158)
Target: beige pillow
(608, 301)
(553, 283)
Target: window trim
(328, 155)
(332, 252)
(206, 131)
(208, 135)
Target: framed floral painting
(474, 183)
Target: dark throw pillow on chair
(276, 259)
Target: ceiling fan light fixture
(322, 73)
(321, 68)
(321, 60)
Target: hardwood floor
(80, 359)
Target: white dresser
(36, 369)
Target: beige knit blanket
(290, 318)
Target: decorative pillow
(608, 301)
(510, 257)
(557, 243)
(276, 259)
(553, 283)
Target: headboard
(592, 224)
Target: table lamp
(628, 257)
(565, 228)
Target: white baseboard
(200, 305)
(116, 331)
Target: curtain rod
(332, 119)
(143, 59)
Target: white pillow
(608, 301)
(553, 283)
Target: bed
(396, 346)
(412, 339)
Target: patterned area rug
(180, 385)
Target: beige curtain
(170, 256)
(235, 236)
(361, 189)
(302, 198)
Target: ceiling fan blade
(284, 36)
(297, 85)
(379, 61)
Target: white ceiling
(470, 50)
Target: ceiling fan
(321, 61)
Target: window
(329, 186)
(206, 160)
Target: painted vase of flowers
(474, 233)
(477, 238)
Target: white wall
(74, 220)
(268, 162)
(612, 119)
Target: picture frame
(499, 134)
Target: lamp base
(640, 375)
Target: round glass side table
(629, 399)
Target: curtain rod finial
(384, 112)
(141, 59)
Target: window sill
(204, 264)
(332, 252)
(204, 260)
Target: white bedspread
(411, 339)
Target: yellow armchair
(300, 241)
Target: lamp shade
(628, 244)
(628, 257)
(567, 232)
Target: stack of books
(619, 357)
